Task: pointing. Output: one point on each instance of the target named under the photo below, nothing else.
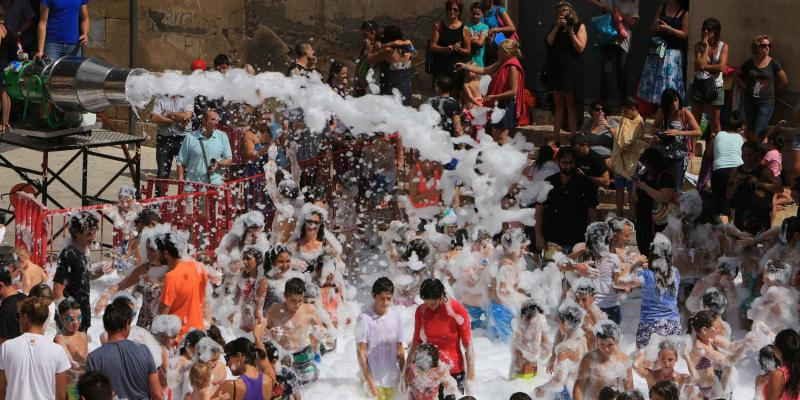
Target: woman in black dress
(450, 43)
(565, 44)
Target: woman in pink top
(773, 160)
(784, 383)
(445, 324)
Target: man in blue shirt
(128, 365)
(204, 153)
(63, 28)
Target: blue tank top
(253, 387)
(255, 167)
(655, 305)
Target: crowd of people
(711, 270)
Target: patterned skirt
(663, 327)
(660, 74)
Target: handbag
(605, 28)
(704, 90)
(662, 211)
(658, 47)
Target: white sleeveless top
(719, 81)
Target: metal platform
(84, 146)
(57, 133)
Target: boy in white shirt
(379, 334)
(31, 366)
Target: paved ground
(100, 170)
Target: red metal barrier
(43, 231)
(205, 211)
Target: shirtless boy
(290, 325)
(604, 366)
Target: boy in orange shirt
(184, 292)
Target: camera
(569, 20)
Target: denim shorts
(622, 182)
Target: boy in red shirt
(445, 324)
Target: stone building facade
(262, 32)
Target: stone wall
(743, 19)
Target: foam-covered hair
(206, 348)
(661, 248)
(571, 314)
(583, 285)
(598, 237)
(767, 359)
(618, 223)
(288, 188)
(249, 220)
(531, 307)
(145, 242)
(607, 329)
(165, 234)
(779, 271)
(715, 301)
(729, 266)
(513, 239)
(479, 234)
(691, 204)
(126, 191)
(83, 221)
(166, 324)
(310, 209)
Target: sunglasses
(765, 45)
(313, 223)
(70, 319)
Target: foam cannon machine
(53, 99)
(54, 107)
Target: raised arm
(479, 70)
(291, 153)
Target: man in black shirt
(570, 206)
(74, 268)
(588, 162)
(9, 297)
